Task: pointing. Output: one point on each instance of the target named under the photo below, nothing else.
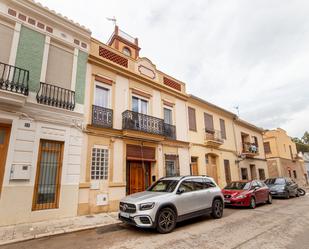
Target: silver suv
(170, 200)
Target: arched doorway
(212, 166)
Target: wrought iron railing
(214, 135)
(248, 147)
(102, 117)
(56, 96)
(14, 79)
(142, 122)
(170, 131)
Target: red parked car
(246, 193)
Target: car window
(238, 185)
(260, 184)
(275, 181)
(163, 186)
(198, 183)
(254, 184)
(186, 186)
(209, 183)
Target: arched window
(126, 51)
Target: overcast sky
(252, 54)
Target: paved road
(284, 224)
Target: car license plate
(125, 215)
(227, 201)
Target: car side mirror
(180, 191)
(255, 188)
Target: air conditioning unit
(20, 172)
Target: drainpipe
(236, 147)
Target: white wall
(181, 120)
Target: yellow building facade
(282, 157)
(136, 125)
(220, 143)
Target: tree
(305, 138)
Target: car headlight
(241, 196)
(146, 206)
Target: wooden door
(5, 131)
(194, 169)
(139, 176)
(212, 167)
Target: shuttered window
(6, 36)
(59, 66)
(209, 122)
(192, 119)
(222, 128)
(267, 147)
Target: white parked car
(170, 200)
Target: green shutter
(81, 77)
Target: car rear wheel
(252, 203)
(166, 221)
(217, 209)
(270, 199)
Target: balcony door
(5, 131)
(101, 97)
(139, 105)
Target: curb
(57, 232)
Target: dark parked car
(282, 187)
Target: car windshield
(238, 185)
(275, 181)
(163, 186)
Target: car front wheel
(270, 199)
(166, 220)
(217, 209)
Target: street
(284, 224)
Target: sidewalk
(26, 231)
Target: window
(199, 184)
(192, 119)
(244, 174)
(294, 174)
(101, 96)
(262, 174)
(171, 168)
(59, 65)
(209, 184)
(227, 171)
(126, 51)
(139, 105)
(267, 147)
(209, 122)
(255, 139)
(186, 186)
(222, 128)
(99, 163)
(290, 174)
(291, 153)
(48, 175)
(163, 186)
(168, 119)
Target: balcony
(170, 131)
(102, 117)
(56, 96)
(213, 138)
(14, 79)
(250, 149)
(149, 124)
